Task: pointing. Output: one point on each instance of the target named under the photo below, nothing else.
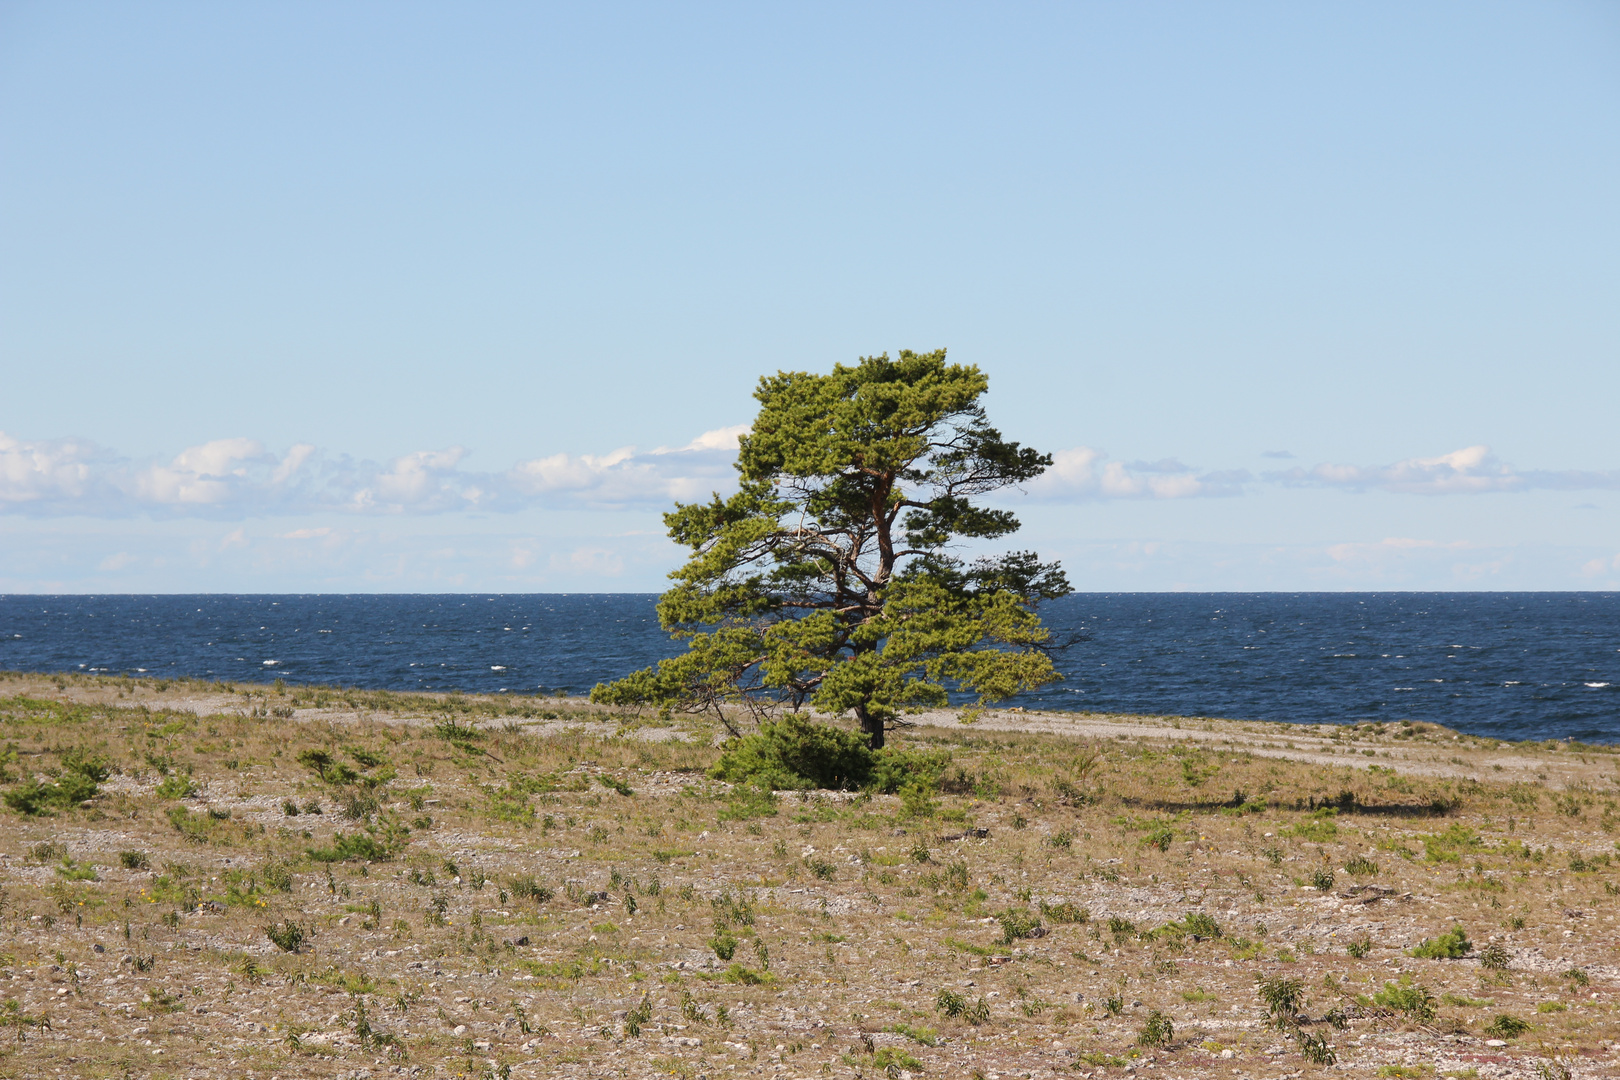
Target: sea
(1504, 665)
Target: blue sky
(399, 297)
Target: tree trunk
(871, 725)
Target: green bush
(288, 937)
(1452, 945)
(1158, 1031)
(1018, 923)
(1201, 924)
(1405, 997)
(1065, 912)
(795, 753)
(1283, 998)
(798, 754)
(1506, 1027)
(1495, 957)
(80, 780)
(177, 786)
(379, 843)
(1316, 1049)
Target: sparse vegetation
(985, 897)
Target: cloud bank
(1473, 470)
(1085, 473)
(230, 478)
(239, 477)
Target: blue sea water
(1515, 665)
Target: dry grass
(530, 887)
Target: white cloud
(624, 476)
(45, 471)
(1085, 473)
(1472, 470)
(203, 474)
(237, 477)
(227, 479)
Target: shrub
(1361, 866)
(1495, 956)
(796, 753)
(1158, 1031)
(955, 1005)
(376, 844)
(1160, 836)
(288, 937)
(724, 946)
(892, 1061)
(1452, 945)
(1406, 997)
(133, 860)
(895, 769)
(527, 888)
(1283, 998)
(1322, 879)
(1201, 924)
(1065, 912)
(1506, 1027)
(1017, 923)
(1360, 948)
(1120, 928)
(70, 789)
(638, 1016)
(749, 800)
(615, 783)
(277, 876)
(176, 786)
(1316, 1050)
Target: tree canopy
(831, 578)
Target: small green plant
(1553, 1069)
(724, 946)
(1452, 945)
(1414, 1000)
(1578, 976)
(922, 1036)
(893, 1061)
(635, 1018)
(957, 1007)
(288, 937)
(1160, 835)
(1201, 924)
(821, 868)
(1495, 957)
(1065, 913)
(1506, 1027)
(13, 1016)
(1322, 878)
(134, 860)
(176, 786)
(615, 783)
(1361, 866)
(1018, 923)
(1283, 998)
(1360, 948)
(1158, 1031)
(1316, 1049)
(525, 887)
(1121, 928)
